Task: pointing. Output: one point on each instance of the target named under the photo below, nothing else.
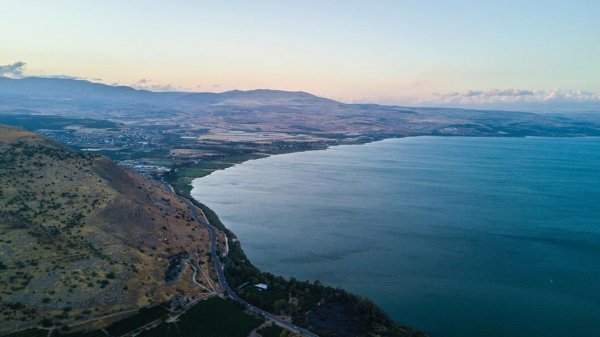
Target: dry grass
(81, 237)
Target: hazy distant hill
(80, 237)
(259, 97)
(81, 90)
(273, 111)
(69, 89)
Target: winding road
(223, 282)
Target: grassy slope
(81, 238)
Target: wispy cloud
(147, 84)
(18, 70)
(69, 77)
(550, 100)
(517, 96)
(13, 70)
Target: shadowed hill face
(77, 231)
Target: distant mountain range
(274, 111)
(82, 90)
(69, 89)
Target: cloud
(13, 70)
(65, 77)
(162, 87)
(518, 99)
(145, 84)
(17, 70)
(515, 92)
(516, 96)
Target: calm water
(456, 236)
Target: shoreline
(230, 234)
(235, 247)
(328, 146)
(382, 319)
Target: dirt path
(254, 333)
(103, 317)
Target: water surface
(455, 236)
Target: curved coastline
(395, 328)
(380, 321)
(508, 142)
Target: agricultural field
(214, 317)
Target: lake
(456, 236)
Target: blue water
(455, 236)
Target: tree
(280, 305)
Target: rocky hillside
(81, 238)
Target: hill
(77, 91)
(81, 238)
(273, 111)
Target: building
(261, 286)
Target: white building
(261, 286)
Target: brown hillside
(77, 231)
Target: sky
(421, 52)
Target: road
(223, 282)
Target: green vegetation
(36, 122)
(306, 296)
(182, 177)
(214, 317)
(162, 330)
(47, 196)
(272, 331)
(274, 298)
(95, 333)
(140, 319)
(182, 173)
(217, 318)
